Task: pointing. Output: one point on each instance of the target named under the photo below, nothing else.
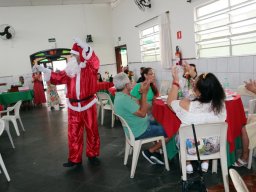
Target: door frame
(119, 58)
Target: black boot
(94, 161)
(71, 164)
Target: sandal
(240, 163)
(204, 166)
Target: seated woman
(99, 78)
(21, 80)
(207, 107)
(147, 76)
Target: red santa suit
(81, 99)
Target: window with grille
(150, 44)
(226, 28)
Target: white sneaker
(204, 166)
(189, 168)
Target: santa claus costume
(80, 77)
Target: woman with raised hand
(207, 107)
(149, 76)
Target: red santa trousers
(77, 122)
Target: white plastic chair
(251, 131)
(204, 131)
(251, 106)
(238, 182)
(6, 128)
(131, 143)
(1, 159)
(106, 104)
(14, 117)
(251, 127)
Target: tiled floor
(36, 163)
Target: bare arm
(173, 94)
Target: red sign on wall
(179, 35)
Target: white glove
(81, 43)
(41, 69)
(47, 72)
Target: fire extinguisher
(178, 56)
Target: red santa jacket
(81, 89)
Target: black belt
(80, 100)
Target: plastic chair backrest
(203, 131)
(238, 182)
(130, 135)
(252, 106)
(104, 96)
(17, 109)
(1, 126)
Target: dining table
(7, 98)
(236, 119)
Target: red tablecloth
(112, 91)
(235, 119)
(104, 86)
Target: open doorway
(121, 57)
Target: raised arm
(142, 112)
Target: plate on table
(164, 97)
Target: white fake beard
(72, 67)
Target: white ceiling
(16, 3)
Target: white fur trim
(88, 56)
(82, 65)
(78, 86)
(79, 108)
(72, 69)
(74, 52)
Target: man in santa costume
(80, 77)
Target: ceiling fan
(142, 4)
(6, 31)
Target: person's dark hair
(153, 87)
(100, 80)
(211, 91)
(142, 68)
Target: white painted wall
(127, 15)
(35, 24)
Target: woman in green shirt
(147, 75)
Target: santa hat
(77, 50)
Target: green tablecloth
(231, 157)
(13, 97)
